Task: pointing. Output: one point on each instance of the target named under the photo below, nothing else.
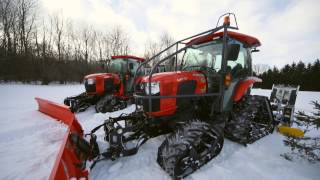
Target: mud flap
(67, 164)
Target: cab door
(239, 69)
(131, 70)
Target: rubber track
(251, 120)
(184, 144)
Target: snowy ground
(29, 143)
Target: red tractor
(108, 91)
(204, 98)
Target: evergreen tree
(307, 147)
(293, 74)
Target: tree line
(305, 75)
(52, 48)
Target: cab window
(241, 64)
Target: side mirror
(130, 66)
(233, 51)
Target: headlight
(91, 81)
(154, 88)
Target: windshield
(209, 56)
(203, 55)
(123, 66)
(117, 66)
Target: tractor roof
(128, 57)
(97, 75)
(249, 40)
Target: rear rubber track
(251, 120)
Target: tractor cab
(113, 86)
(205, 54)
(207, 51)
(202, 71)
(125, 67)
(207, 58)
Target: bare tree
(7, 17)
(37, 48)
(58, 27)
(93, 43)
(151, 49)
(15, 31)
(78, 47)
(154, 47)
(118, 41)
(26, 18)
(165, 41)
(48, 41)
(260, 68)
(44, 39)
(104, 47)
(86, 35)
(50, 38)
(100, 41)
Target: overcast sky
(288, 29)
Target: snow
(30, 141)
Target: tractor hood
(171, 84)
(177, 76)
(101, 83)
(170, 81)
(161, 76)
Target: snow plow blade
(289, 131)
(67, 164)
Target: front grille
(108, 85)
(155, 103)
(214, 83)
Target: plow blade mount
(290, 131)
(67, 164)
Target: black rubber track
(110, 103)
(79, 103)
(251, 120)
(189, 148)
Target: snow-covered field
(29, 143)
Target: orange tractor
(108, 91)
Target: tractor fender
(242, 87)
